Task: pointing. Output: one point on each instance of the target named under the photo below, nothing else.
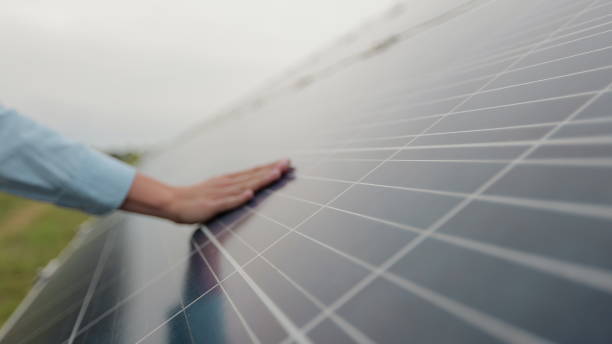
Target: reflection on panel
(452, 184)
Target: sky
(131, 73)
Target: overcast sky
(123, 72)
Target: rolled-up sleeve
(38, 163)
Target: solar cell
(453, 183)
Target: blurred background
(125, 75)
(121, 73)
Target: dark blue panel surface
(452, 184)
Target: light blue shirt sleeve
(38, 163)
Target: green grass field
(31, 234)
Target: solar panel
(453, 183)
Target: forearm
(150, 197)
(38, 163)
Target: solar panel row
(452, 184)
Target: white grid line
(602, 120)
(243, 321)
(92, 286)
(415, 242)
(482, 321)
(586, 162)
(272, 307)
(513, 162)
(133, 294)
(588, 209)
(164, 246)
(595, 140)
(509, 86)
(456, 112)
(474, 65)
(586, 275)
(353, 332)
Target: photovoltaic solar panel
(452, 184)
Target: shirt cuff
(101, 183)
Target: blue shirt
(38, 163)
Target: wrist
(151, 197)
(165, 204)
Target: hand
(200, 202)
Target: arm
(38, 163)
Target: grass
(31, 234)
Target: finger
(253, 170)
(254, 183)
(282, 165)
(262, 179)
(231, 190)
(231, 202)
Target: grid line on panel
(558, 206)
(587, 28)
(59, 316)
(246, 326)
(482, 321)
(603, 3)
(170, 318)
(164, 246)
(590, 20)
(586, 162)
(529, 29)
(483, 77)
(71, 307)
(536, 16)
(544, 264)
(552, 142)
(443, 133)
(585, 275)
(539, 100)
(491, 90)
(487, 61)
(514, 52)
(217, 284)
(480, 64)
(84, 237)
(421, 237)
(350, 330)
(402, 35)
(118, 304)
(553, 39)
(257, 255)
(95, 279)
(456, 209)
(288, 325)
(592, 277)
(51, 323)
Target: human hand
(200, 202)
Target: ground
(31, 234)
